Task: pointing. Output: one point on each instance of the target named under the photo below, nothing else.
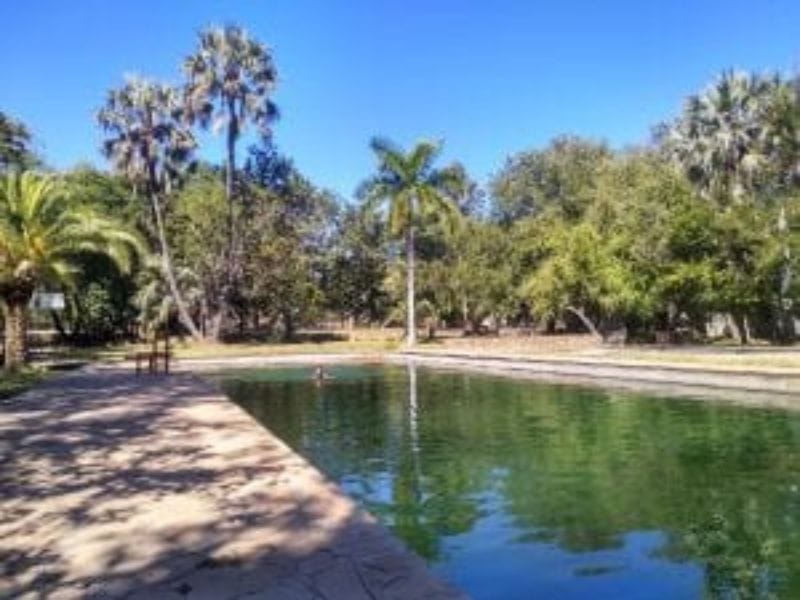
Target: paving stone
(158, 487)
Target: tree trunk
(742, 330)
(230, 173)
(169, 272)
(288, 326)
(585, 320)
(411, 325)
(231, 262)
(215, 331)
(786, 331)
(230, 167)
(16, 340)
(59, 325)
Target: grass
(581, 347)
(190, 349)
(561, 347)
(772, 359)
(217, 350)
(15, 383)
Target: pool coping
(751, 380)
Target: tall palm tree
(149, 144)
(229, 82)
(412, 188)
(42, 232)
(719, 139)
(738, 140)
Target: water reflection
(517, 489)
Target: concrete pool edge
(604, 371)
(680, 379)
(161, 487)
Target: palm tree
(738, 140)
(230, 79)
(412, 188)
(42, 231)
(149, 144)
(719, 140)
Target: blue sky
(490, 78)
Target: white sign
(48, 301)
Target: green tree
(737, 142)
(148, 143)
(609, 268)
(200, 244)
(412, 188)
(356, 267)
(557, 179)
(466, 283)
(42, 231)
(15, 142)
(101, 306)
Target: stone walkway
(113, 486)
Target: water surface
(516, 489)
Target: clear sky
(490, 77)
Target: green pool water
(515, 489)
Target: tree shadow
(113, 485)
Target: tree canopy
(691, 237)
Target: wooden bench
(152, 357)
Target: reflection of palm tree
(413, 417)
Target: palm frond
(44, 229)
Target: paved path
(159, 487)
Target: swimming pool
(517, 489)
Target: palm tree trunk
(411, 325)
(230, 258)
(16, 340)
(169, 272)
(230, 172)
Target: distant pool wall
(768, 386)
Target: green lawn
(191, 349)
(550, 347)
(215, 350)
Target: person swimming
(320, 375)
